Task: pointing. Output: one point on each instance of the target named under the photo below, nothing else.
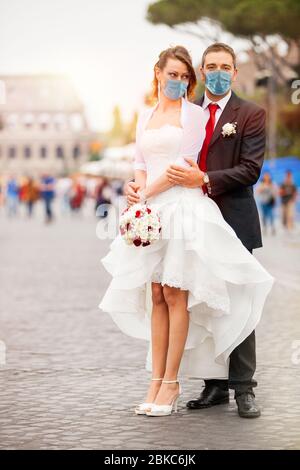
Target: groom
(229, 164)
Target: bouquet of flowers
(140, 225)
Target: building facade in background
(43, 125)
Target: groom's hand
(188, 177)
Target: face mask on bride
(175, 89)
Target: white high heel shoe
(165, 410)
(143, 407)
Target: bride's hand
(130, 192)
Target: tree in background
(116, 133)
(122, 132)
(252, 20)
(130, 129)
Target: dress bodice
(160, 149)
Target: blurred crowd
(72, 192)
(271, 195)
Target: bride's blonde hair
(179, 53)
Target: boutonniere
(229, 129)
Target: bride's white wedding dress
(198, 252)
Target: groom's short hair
(219, 46)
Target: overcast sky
(106, 46)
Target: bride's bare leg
(176, 300)
(160, 339)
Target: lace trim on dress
(212, 299)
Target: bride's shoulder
(196, 109)
(195, 113)
(144, 113)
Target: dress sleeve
(193, 135)
(139, 161)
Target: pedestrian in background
(12, 196)
(63, 191)
(30, 194)
(267, 192)
(102, 197)
(77, 195)
(47, 189)
(288, 193)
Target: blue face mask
(175, 89)
(218, 82)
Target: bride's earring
(186, 95)
(158, 91)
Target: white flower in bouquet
(140, 225)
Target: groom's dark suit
(233, 164)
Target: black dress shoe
(247, 408)
(211, 395)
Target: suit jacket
(234, 164)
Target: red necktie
(209, 132)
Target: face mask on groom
(218, 82)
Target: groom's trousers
(242, 365)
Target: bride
(197, 292)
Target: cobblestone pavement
(71, 378)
